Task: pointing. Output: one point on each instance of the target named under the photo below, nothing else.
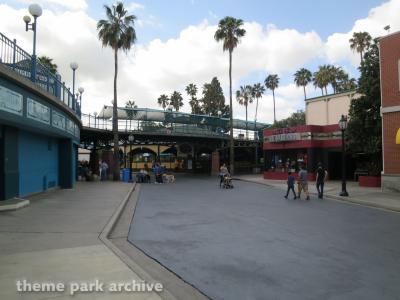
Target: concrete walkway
(373, 197)
(55, 239)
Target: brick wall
(391, 122)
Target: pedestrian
(223, 171)
(303, 182)
(322, 174)
(290, 185)
(103, 169)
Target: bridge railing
(17, 59)
(152, 127)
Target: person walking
(103, 169)
(303, 182)
(322, 174)
(290, 185)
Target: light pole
(95, 115)
(73, 66)
(343, 126)
(131, 138)
(36, 11)
(80, 90)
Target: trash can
(125, 175)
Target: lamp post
(80, 90)
(73, 66)
(343, 127)
(36, 11)
(95, 115)
(131, 138)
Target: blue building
(39, 127)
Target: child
(290, 185)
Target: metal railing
(20, 61)
(154, 128)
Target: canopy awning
(155, 115)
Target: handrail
(17, 59)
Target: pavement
(368, 196)
(56, 239)
(251, 243)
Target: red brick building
(389, 50)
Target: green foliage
(213, 99)
(176, 100)
(301, 78)
(48, 63)
(163, 101)
(364, 132)
(296, 119)
(360, 42)
(229, 32)
(194, 103)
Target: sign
(38, 111)
(70, 126)
(58, 120)
(11, 101)
(284, 137)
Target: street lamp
(73, 66)
(343, 127)
(80, 90)
(36, 11)
(131, 138)
(95, 115)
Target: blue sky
(175, 44)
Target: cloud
(193, 56)
(133, 6)
(70, 4)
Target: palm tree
(230, 32)
(272, 82)
(322, 78)
(176, 100)
(117, 32)
(301, 78)
(245, 96)
(360, 42)
(257, 91)
(130, 104)
(191, 90)
(48, 63)
(163, 101)
(336, 76)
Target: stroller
(227, 182)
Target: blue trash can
(125, 175)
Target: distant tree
(176, 100)
(296, 119)
(336, 76)
(213, 99)
(245, 96)
(257, 91)
(117, 32)
(130, 113)
(347, 85)
(301, 78)
(272, 82)
(364, 132)
(230, 32)
(360, 42)
(322, 78)
(48, 63)
(163, 101)
(194, 103)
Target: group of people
(302, 182)
(144, 174)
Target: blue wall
(38, 163)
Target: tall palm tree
(176, 100)
(163, 101)
(230, 32)
(360, 42)
(245, 96)
(272, 82)
(301, 78)
(191, 90)
(257, 91)
(336, 76)
(130, 104)
(322, 78)
(116, 31)
(48, 63)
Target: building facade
(389, 52)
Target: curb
(333, 197)
(104, 237)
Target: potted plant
(373, 179)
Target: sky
(175, 46)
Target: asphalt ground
(251, 243)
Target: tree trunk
(273, 96)
(115, 121)
(304, 88)
(231, 144)
(361, 56)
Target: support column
(10, 164)
(66, 163)
(215, 162)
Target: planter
(369, 181)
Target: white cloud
(134, 6)
(192, 57)
(70, 4)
